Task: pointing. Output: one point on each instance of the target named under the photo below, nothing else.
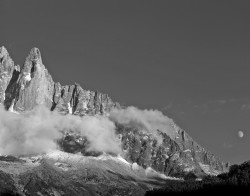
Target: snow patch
(122, 159)
(187, 150)
(27, 77)
(85, 106)
(69, 108)
(118, 158)
(135, 167)
(11, 109)
(152, 173)
(60, 156)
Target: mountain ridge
(33, 82)
(21, 89)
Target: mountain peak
(6, 71)
(4, 55)
(35, 83)
(3, 50)
(35, 53)
(33, 62)
(33, 58)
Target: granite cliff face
(22, 89)
(6, 71)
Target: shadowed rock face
(22, 89)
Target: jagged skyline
(190, 60)
(43, 115)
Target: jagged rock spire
(6, 70)
(34, 54)
(35, 83)
(5, 59)
(34, 58)
(3, 51)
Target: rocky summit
(23, 88)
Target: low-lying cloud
(147, 120)
(37, 131)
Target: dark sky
(189, 59)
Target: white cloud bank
(37, 131)
(147, 120)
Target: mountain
(22, 89)
(60, 173)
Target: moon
(240, 134)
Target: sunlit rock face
(173, 157)
(34, 83)
(21, 89)
(6, 71)
(75, 100)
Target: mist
(37, 131)
(148, 121)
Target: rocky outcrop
(34, 83)
(172, 157)
(23, 89)
(6, 71)
(75, 100)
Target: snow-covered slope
(50, 173)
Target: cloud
(221, 101)
(227, 145)
(245, 107)
(219, 105)
(148, 121)
(37, 131)
(100, 132)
